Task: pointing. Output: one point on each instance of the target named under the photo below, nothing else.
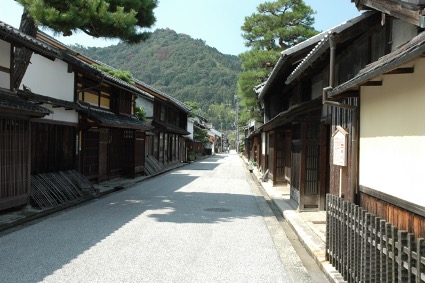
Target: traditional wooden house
(297, 131)
(194, 146)
(390, 138)
(216, 138)
(386, 182)
(93, 127)
(15, 116)
(372, 96)
(252, 142)
(276, 107)
(169, 117)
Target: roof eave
(412, 50)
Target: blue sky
(217, 22)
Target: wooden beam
(349, 94)
(393, 8)
(4, 69)
(409, 206)
(407, 70)
(372, 83)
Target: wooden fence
(365, 248)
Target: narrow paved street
(203, 222)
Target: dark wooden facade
(168, 143)
(295, 115)
(14, 162)
(53, 147)
(193, 148)
(139, 152)
(405, 215)
(395, 48)
(349, 61)
(112, 142)
(379, 51)
(15, 148)
(306, 181)
(252, 148)
(15, 125)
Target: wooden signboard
(340, 147)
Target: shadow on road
(183, 196)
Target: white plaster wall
(51, 78)
(190, 122)
(402, 32)
(4, 62)
(147, 104)
(60, 114)
(263, 143)
(4, 54)
(4, 80)
(392, 136)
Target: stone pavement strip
(309, 226)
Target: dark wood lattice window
(52, 148)
(14, 165)
(91, 154)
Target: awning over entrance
(169, 128)
(288, 115)
(110, 120)
(387, 64)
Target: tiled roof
(109, 119)
(169, 128)
(10, 101)
(71, 56)
(11, 34)
(90, 68)
(30, 96)
(119, 81)
(410, 51)
(173, 100)
(291, 113)
(309, 46)
(324, 44)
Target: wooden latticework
(14, 162)
(53, 189)
(366, 248)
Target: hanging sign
(340, 147)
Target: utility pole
(236, 122)
(221, 131)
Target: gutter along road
(203, 222)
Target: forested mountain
(178, 65)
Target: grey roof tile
(410, 51)
(30, 96)
(11, 34)
(109, 119)
(10, 101)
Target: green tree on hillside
(120, 19)
(223, 116)
(277, 26)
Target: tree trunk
(22, 55)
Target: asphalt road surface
(204, 222)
